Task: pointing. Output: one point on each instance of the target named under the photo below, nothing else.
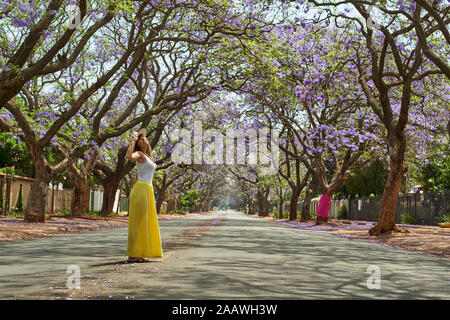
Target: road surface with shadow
(222, 255)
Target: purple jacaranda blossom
(401, 5)
(20, 22)
(23, 8)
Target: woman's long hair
(148, 151)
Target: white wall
(98, 200)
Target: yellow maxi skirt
(144, 239)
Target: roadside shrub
(342, 213)
(275, 214)
(407, 218)
(94, 213)
(284, 215)
(16, 213)
(313, 215)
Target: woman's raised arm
(130, 155)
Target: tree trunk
(306, 208)
(251, 208)
(281, 208)
(310, 191)
(262, 204)
(328, 189)
(80, 198)
(81, 191)
(37, 200)
(388, 207)
(109, 195)
(110, 179)
(448, 128)
(160, 199)
(293, 203)
(170, 205)
(265, 208)
(323, 208)
(80, 194)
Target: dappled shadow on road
(237, 258)
(264, 260)
(79, 246)
(40, 264)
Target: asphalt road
(222, 255)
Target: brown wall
(62, 198)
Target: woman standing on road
(144, 239)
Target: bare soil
(430, 239)
(14, 228)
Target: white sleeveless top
(146, 169)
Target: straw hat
(143, 131)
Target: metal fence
(427, 208)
